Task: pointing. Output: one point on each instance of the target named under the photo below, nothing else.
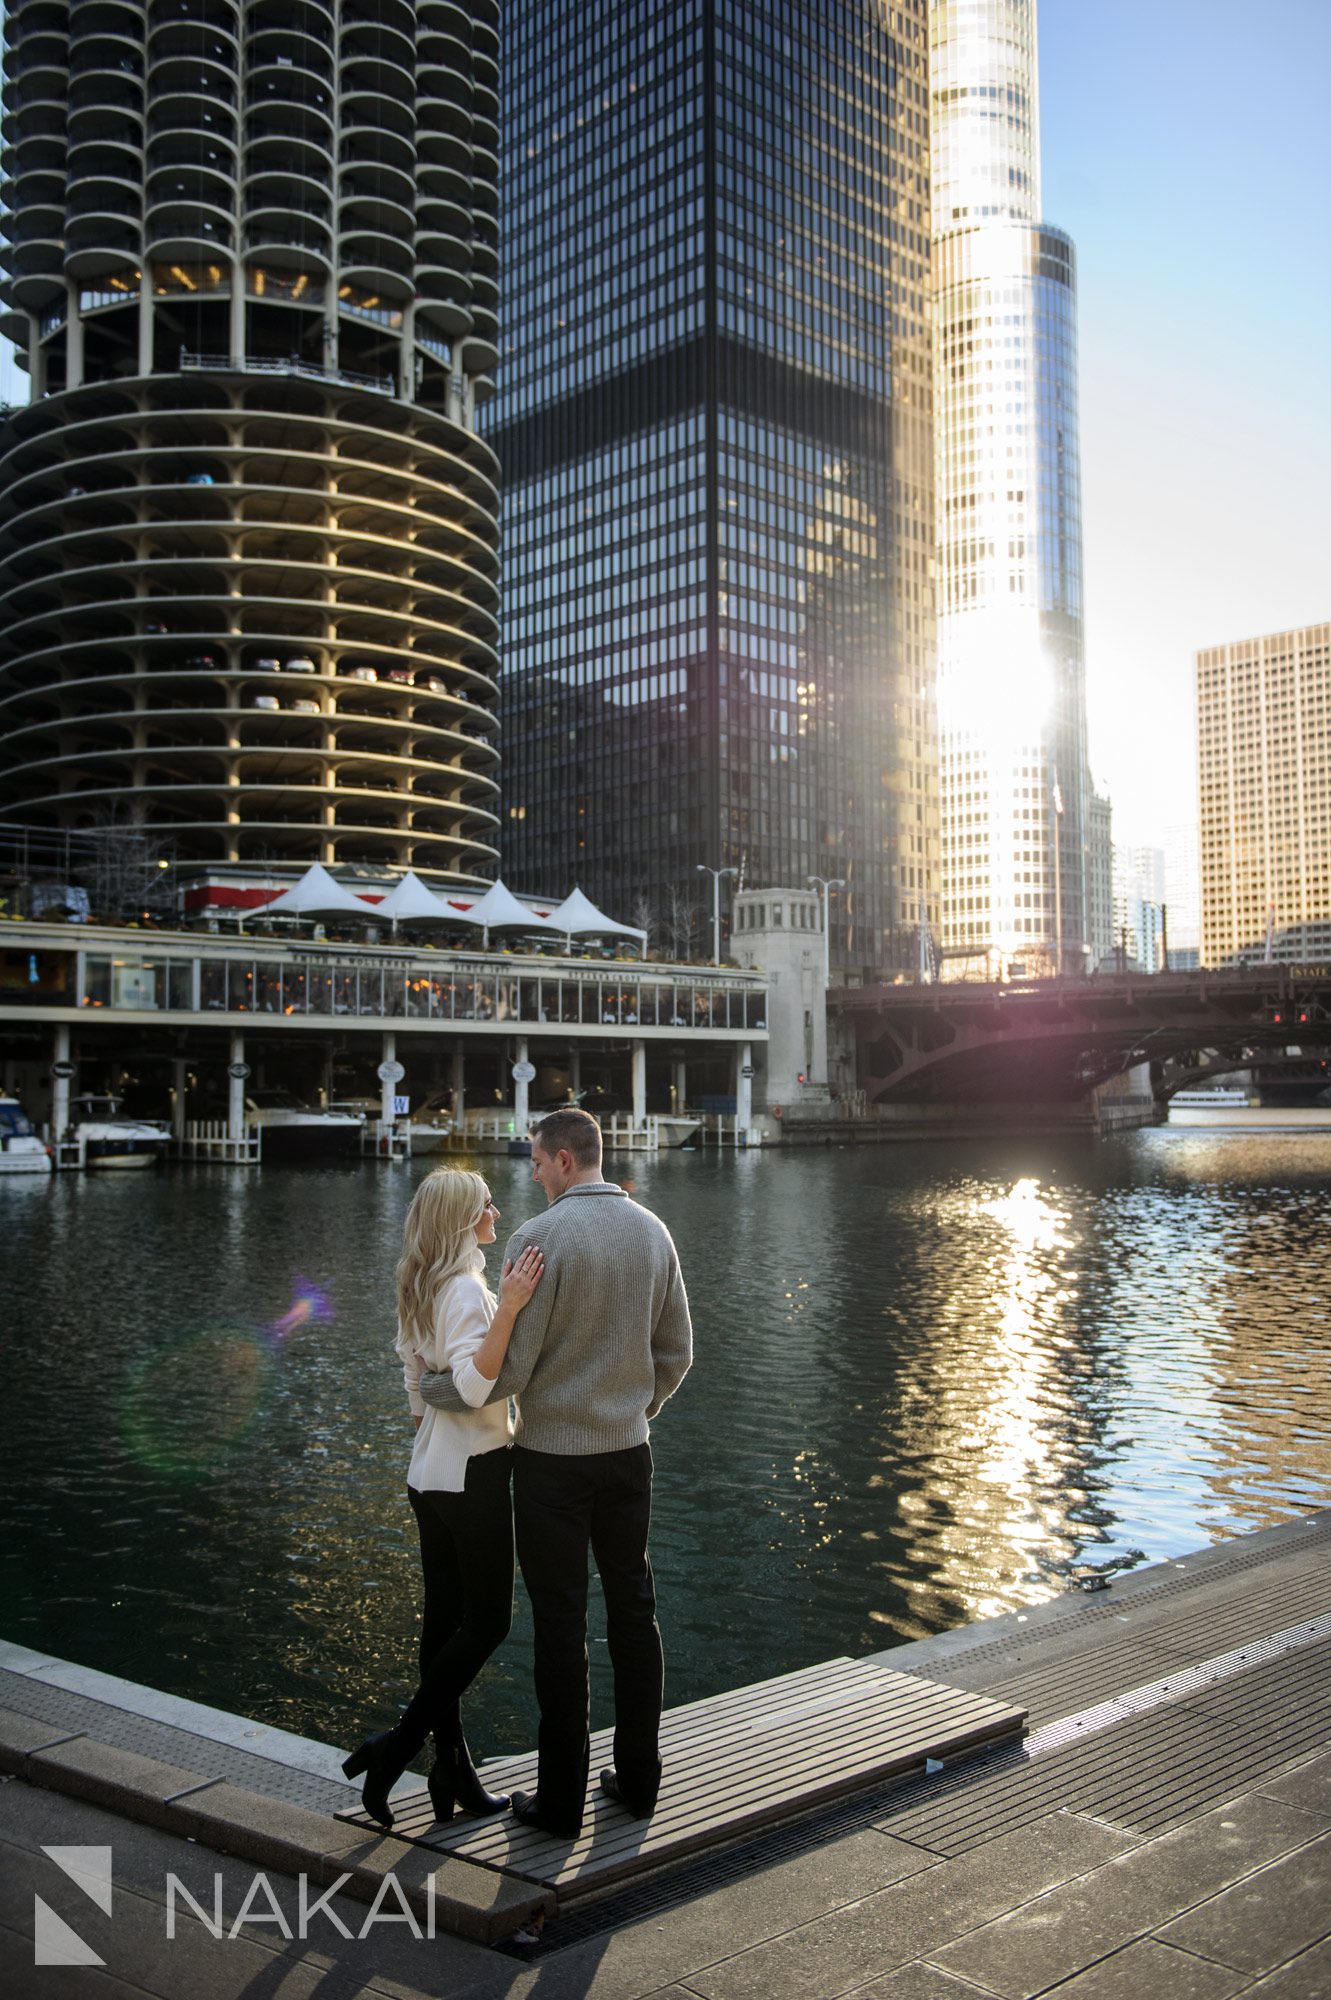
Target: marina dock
(1162, 1826)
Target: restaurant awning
(318, 895)
(578, 916)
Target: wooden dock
(734, 1763)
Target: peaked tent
(499, 910)
(317, 895)
(409, 901)
(577, 916)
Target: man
(604, 1342)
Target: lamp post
(716, 874)
(826, 883)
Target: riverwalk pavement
(1162, 1831)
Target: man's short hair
(571, 1131)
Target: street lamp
(716, 874)
(826, 883)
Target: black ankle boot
(470, 1793)
(383, 1759)
(442, 1781)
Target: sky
(1184, 147)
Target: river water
(932, 1383)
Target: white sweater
(447, 1438)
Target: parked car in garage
(300, 663)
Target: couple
(591, 1335)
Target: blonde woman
(457, 1482)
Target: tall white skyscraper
(1015, 789)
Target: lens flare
(183, 1407)
(310, 1306)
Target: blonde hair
(438, 1243)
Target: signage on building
(390, 1072)
(238, 1071)
(524, 1072)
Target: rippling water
(932, 1383)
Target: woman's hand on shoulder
(520, 1279)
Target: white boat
(1222, 1098)
(295, 1131)
(21, 1151)
(107, 1137)
(432, 1125)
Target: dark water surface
(932, 1383)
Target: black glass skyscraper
(713, 420)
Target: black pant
(467, 1564)
(563, 1506)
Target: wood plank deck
(733, 1763)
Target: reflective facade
(1264, 776)
(1011, 681)
(251, 269)
(714, 422)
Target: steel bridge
(1053, 1041)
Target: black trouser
(467, 1564)
(564, 1506)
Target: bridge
(1052, 1041)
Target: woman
(457, 1482)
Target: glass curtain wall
(714, 419)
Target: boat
(21, 1151)
(292, 1130)
(432, 1125)
(108, 1137)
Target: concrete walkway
(1163, 1834)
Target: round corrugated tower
(247, 531)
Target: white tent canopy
(317, 895)
(499, 910)
(409, 901)
(577, 916)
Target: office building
(1011, 689)
(1264, 778)
(1139, 896)
(248, 565)
(1100, 935)
(1183, 895)
(715, 426)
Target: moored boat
(108, 1137)
(21, 1151)
(293, 1130)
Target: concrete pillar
(235, 1092)
(638, 1072)
(679, 1087)
(575, 1068)
(179, 1087)
(146, 322)
(236, 338)
(744, 1086)
(521, 1114)
(36, 359)
(458, 1081)
(60, 1087)
(387, 1084)
(73, 340)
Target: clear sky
(1185, 149)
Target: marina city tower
(1011, 688)
(247, 529)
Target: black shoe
(453, 1781)
(526, 1807)
(471, 1794)
(383, 1759)
(640, 1808)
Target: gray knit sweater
(605, 1339)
